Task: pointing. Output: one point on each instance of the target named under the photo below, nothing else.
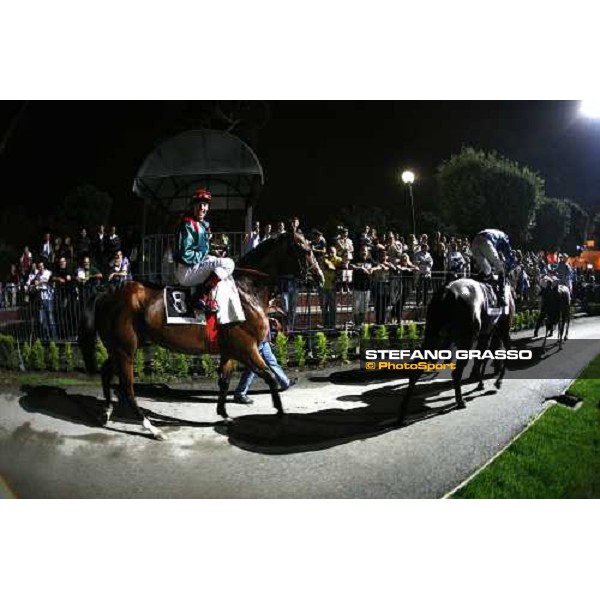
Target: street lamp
(408, 178)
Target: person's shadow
(306, 432)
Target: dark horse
(126, 317)
(556, 307)
(458, 316)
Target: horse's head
(297, 257)
(287, 254)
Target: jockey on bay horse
(196, 266)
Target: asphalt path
(337, 440)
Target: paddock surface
(337, 441)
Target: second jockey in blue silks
(492, 255)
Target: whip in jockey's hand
(195, 264)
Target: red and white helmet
(201, 195)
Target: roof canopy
(217, 159)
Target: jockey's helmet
(201, 195)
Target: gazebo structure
(169, 176)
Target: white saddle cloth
(228, 300)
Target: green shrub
(159, 362)
(381, 333)
(37, 357)
(26, 355)
(180, 365)
(207, 365)
(299, 350)
(68, 358)
(400, 333)
(9, 356)
(281, 349)
(139, 364)
(321, 348)
(412, 331)
(365, 334)
(52, 357)
(344, 346)
(101, 353)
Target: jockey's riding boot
(202, 299)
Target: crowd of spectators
(366, 270)
(61, 272)
(377, 271)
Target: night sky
(317, 156)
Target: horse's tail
(440, 307)
(87, 336)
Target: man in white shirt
(39, 281)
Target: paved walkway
(333, 444)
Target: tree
(552, 224)
(484, 189)
(578, 229)
(85, 206)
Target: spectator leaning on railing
(381, 272)
(456, 264)
(39, 283)
(424, 263)
(327, 293)
(344, 243)
(361, 286)
(88, 274)
(119, 270)
(318, 244)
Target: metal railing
(157, 263)
(393, 299)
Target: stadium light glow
(590, 109)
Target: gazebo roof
(220, 160)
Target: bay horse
(135, 312)
(458, 316)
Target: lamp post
(408, 178)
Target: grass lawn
(557, 457)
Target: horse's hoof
(498, 385)
(461, 405)
(281, 415)
(480, 387)
(160, 436)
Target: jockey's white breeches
(190, 275)
(485, 256)
(225, 294)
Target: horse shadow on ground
(88, 411)
(306, 432)
(161, 392)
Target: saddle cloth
(494, 311)
(178, 307)
(179, 311)
(178, 304)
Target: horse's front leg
(405, 402)
(106, 374)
